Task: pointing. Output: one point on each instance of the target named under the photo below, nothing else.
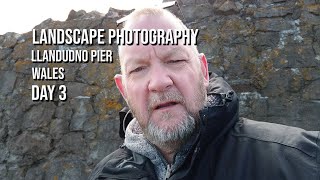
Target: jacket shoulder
(123, 164)
(292, 137)
(112, 160)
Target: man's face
(164, 86)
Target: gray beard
(174, 136)
(171, 136)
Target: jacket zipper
(168, 172)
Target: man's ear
(204, 68)
(118, 81)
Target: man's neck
(169, 151)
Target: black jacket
(229, 147)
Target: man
(187, 126)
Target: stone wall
(268, 50)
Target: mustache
(157, 98)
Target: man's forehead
(141, 52)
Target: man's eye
(138, 69)
(177, 61)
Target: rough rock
(7, 81)
(35, 144)
(227, 7)
(312, 91)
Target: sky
(21, 16)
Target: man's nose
(160, 79)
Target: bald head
(148, 18)
(135, 15)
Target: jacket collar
(221, 111)
(218, 119)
